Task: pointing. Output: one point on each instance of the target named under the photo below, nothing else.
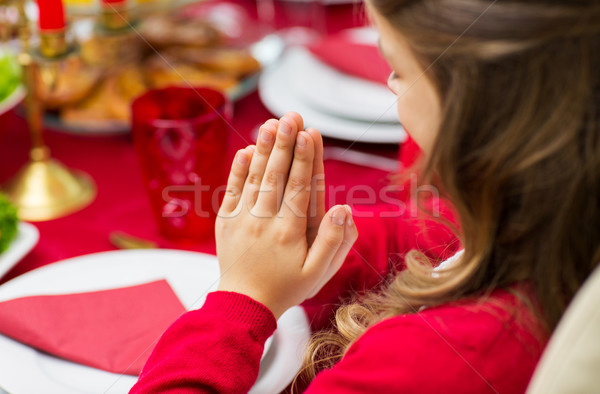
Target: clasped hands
(275, 242)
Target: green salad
(8, 223)
(10, 74)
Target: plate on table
(277, 92)
(200, 45)
(329, 90)
(27, 237)
(115, 126)
(191, 275)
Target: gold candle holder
(114, 17)
(53, 44)
(44, 189)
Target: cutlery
(123, 240)
(360, 158)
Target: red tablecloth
(121, 203)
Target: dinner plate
(366, 35)
(191, 275)
(278, 94)
(265, 48)
(27, 237)
(327, 89)
(113, 127)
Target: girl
(503, 99)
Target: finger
(277, 169)
(297, 189)
(236, 180)
(350, 236)
(295, 116)
(326, 245)
(264, 145)
(316, 209)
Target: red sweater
(386, 233)
(468, 347)
(464, 347)
(378, 252)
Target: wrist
(241, 309)
(257, 296)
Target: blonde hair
(519, 156)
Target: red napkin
(114, 330)
(361, 60)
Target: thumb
(328, 241)
(350, 236)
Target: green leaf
(8, 222)
(10, 74)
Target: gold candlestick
(44, 189)
(114, 17)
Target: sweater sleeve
(217, 348)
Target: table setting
(171, 282)
(116, 139)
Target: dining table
(355, 173)
(122, 204)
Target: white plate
(276, 89)
(329, 90)
(365, 35)
(191, 275)
(27, 237)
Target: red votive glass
(180, 135)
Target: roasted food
(163, 71)
(99, 86)
(109, 50)
(166, 31)
(66, 82)
(93, 108)
(231, 61)
(111, 100)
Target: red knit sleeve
(217, 348)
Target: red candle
(52, 15)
